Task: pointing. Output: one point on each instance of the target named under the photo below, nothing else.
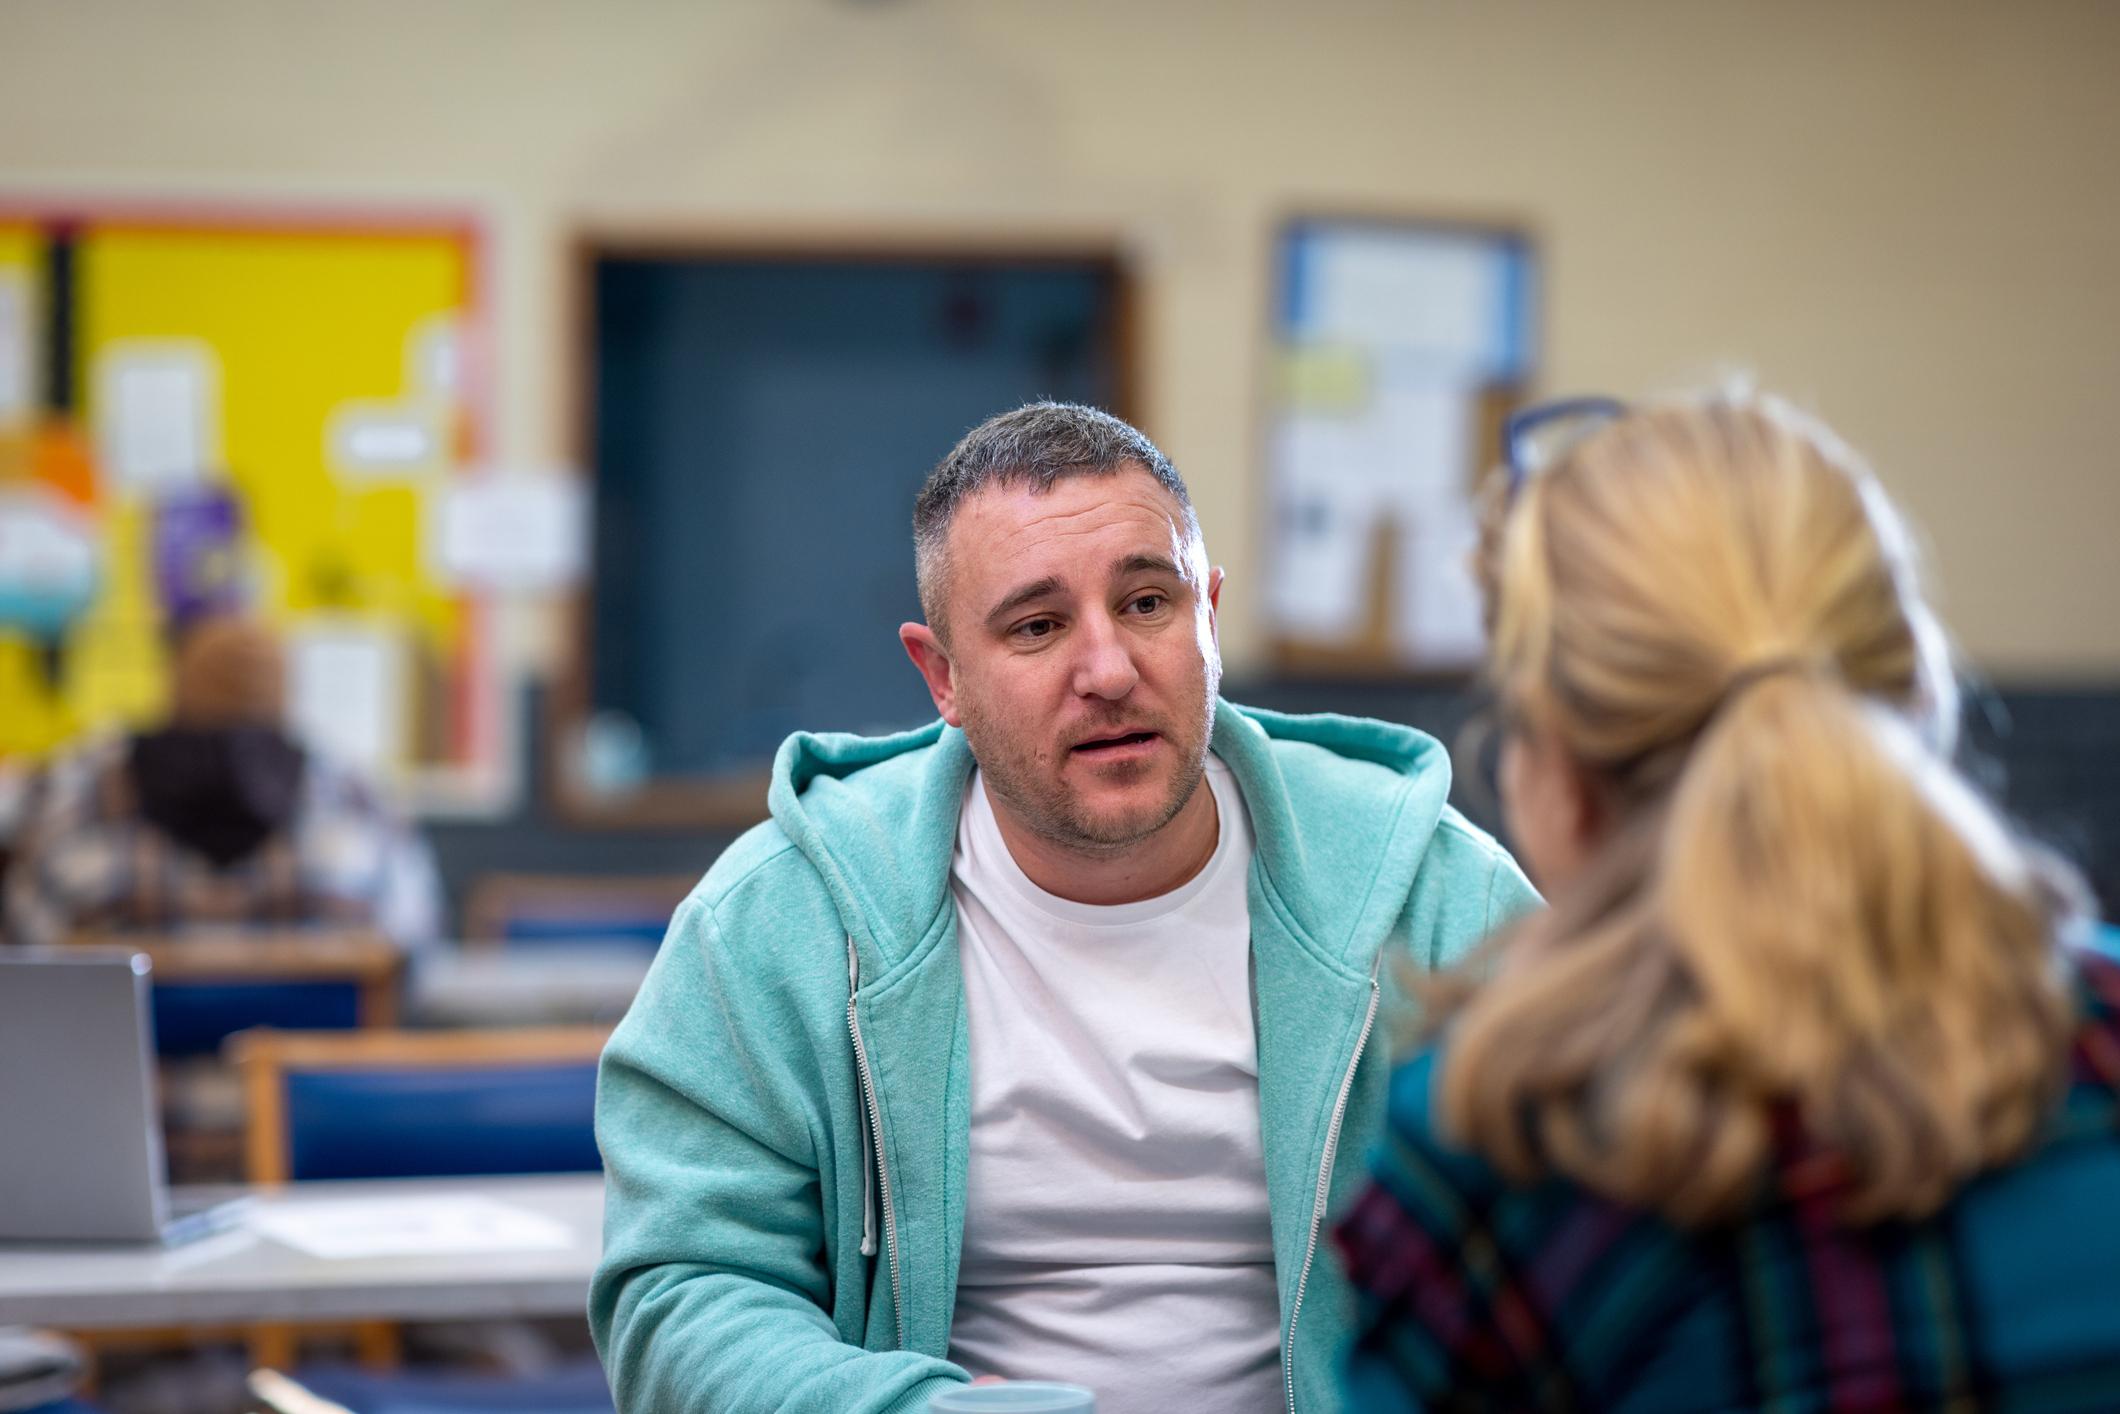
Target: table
(543, 984)
(241, 1276)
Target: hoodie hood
(1342, 808)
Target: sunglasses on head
(1535, 437)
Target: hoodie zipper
(873, 1134)
(1317, 1211)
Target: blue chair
(207, 987)
(412, 1104)
(195, 1018)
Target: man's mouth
(1121, 744)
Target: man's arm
(711, 1295)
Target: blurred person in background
(1800, 1096)
(219, 819)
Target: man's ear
(1214, 601)
(924, 647)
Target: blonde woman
(1800, 1096)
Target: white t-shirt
(1116, 1232)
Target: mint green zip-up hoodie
(786, 1159)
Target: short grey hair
(1036, 445)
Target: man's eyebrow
(1039, 588)
(1036, 589)
(1149, 564)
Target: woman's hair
(1801, 918)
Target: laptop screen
(84, 1156)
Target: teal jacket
(784, 1113)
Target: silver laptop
(80, 1136)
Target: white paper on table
(347, 682)
(158, 412)
(1442, 296)
(410, 1225)
(18, 396)
(1436, 619)
(521, 533)
(1325, 504)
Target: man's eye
(1036, 628)
(1149, 604)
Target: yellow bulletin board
(325, 372)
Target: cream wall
(1906, 214)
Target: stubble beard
(1042, 802)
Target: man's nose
(1105, 665)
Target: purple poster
(197, 553)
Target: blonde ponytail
(1804, 914)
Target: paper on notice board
(1437, 616)
(1324, 514)
(519, 534)
(48, 560)
(434, 357)
(1439, 296)
(347, 685)
(1328, 378)
(1404, 461)
(410, 1225)
(1425, 438)
(18, 394)
(388, 439)
(158, 413)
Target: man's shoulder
(1354, 752)
(759, 924)
(1327, 758)
(760, 865)
(1324, 769)
(1458, 841)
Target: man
(217, 819)
(1024, 1044)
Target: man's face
(1082, 662)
